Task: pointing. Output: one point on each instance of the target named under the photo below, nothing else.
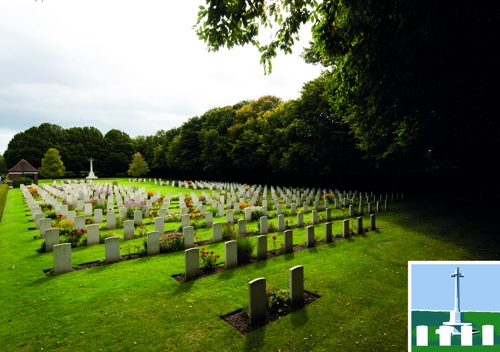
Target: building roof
(23, 166)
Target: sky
(433, 288)
(135, 66)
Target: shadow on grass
(255, 340)
(289, 256)
(299, 317)
(450, 221)
(226, 275)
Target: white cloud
(136, 66)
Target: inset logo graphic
(453, 303)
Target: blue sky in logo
(433, 288)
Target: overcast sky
(136, 66)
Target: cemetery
(158, 262)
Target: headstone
(328, 232)
(138, 217)
(257, 301)
(306, 210)
(111, 221)
(345, 228)
(315, 219)
(63, 210)
(279, 209)
(185, 220)
(281, 223)
(70, 215)
(45, 224)
(242, 227)
(51, 239)
(191, 263)
(422, 335)
(160, 225)
(122, 213)
(372, 222)
(128, 229)
(378, 207)
(112, 249)
(92, 234)
(369, 208)
(248, 214)
(262, 247)
(236, 207)
(466, 335)
(97, 215)
(288, 241)
(293, 208)
(209, 219)
(88, 209)
(153, 243)
(310, 236)
(263, 225)
(62, 258)
(80, 222)
(360, 225)
(300, 219)
(231, 254)
(328, 214)
(229, 216)
(296, 286)
(351, 211)
(188, 234)
(488, 335)
(360, 209)
(445, 335)
(217, 232)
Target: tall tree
(52, 165)
(138, 167)
(119, 149)
(401, 75)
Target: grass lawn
(137, 305)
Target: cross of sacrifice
(457, 275)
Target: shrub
(171, 242)
(257, 214)
(278, 300)
(208, 260)
(228, 232)
(74, 237)
(21, 180)
(244, 249)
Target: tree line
(404, 96)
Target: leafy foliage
(138, 167)
(52, 165)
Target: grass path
(136, 305)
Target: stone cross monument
(91, 175)
(456, 314)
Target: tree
(407, 75)
(3, 166)
(52, 165)
(138, 167)
(119, 148)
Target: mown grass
(137, 305)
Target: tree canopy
(138, 167)
(410, 77)
(52, 165)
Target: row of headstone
(445, 332)
(257, 301)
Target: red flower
(274, 238)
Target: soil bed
(240, 321)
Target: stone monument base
(91, 176)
